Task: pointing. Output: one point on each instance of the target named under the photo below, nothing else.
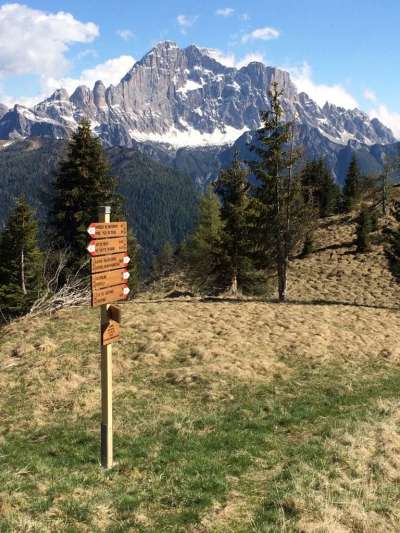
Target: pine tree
(393, 243)
(82, 183)
(163, 264)
(390, 174)
(134, 264)
(320, 188)
(20, 261)
(308, 246)
(232, 187)
(366, 224)
(280, 221)
(353, 185)
(201, 253)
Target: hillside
(161, 202)
(230, 416)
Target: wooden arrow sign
(109, 278)
(110, 332)
(109, 294)
(107, 246)
(109, 262)
(102, 230)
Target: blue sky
(346, 51)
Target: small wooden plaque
(110, 333)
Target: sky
(343, 51)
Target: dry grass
(353, 500)
(186, 360)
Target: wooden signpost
(109, 277)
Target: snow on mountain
(185, 97)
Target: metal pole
(106, 376)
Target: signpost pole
(106, 376)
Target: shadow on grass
(236, 301)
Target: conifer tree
(393, 243)
(320, 188)
(366, 224)
(280, 214)
(390, 174)
(353, 185)
(82, 183)
(163, 264)
(134, 264)
(232, 187)
(20, 261)
(201, 253)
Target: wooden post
(106, 376)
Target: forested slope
(161, 203)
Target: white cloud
(391, 119)
(230, 60)
(225, 12)
(370, 95)
(126, 35)
(185, 22)
(249, 58)
(321, 93)
(35, 42)
(265, 34)
(245, 17)
(109, 72)
(225, 59)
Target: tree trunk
(234, 287)
(384, 194)
(282, 274)
(23, 286)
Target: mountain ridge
(185, 97)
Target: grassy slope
(229, 416)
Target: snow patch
(191, 136)
(190, 85)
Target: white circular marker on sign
(91, 248)
(126, 290)
(127, 259)
(126, 275)
(91, 230)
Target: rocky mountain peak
(99, 95)
(82, 97)
(59, 94)
(185, 97)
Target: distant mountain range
(184, 108)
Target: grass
(228, 416)
(184, 457)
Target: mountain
(3, 110)
(178, 103)
(161, 203)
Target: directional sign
(102, 230)
(109, 278)
(109, 294)
(110, 333)
(107, 246)
(109, 262)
